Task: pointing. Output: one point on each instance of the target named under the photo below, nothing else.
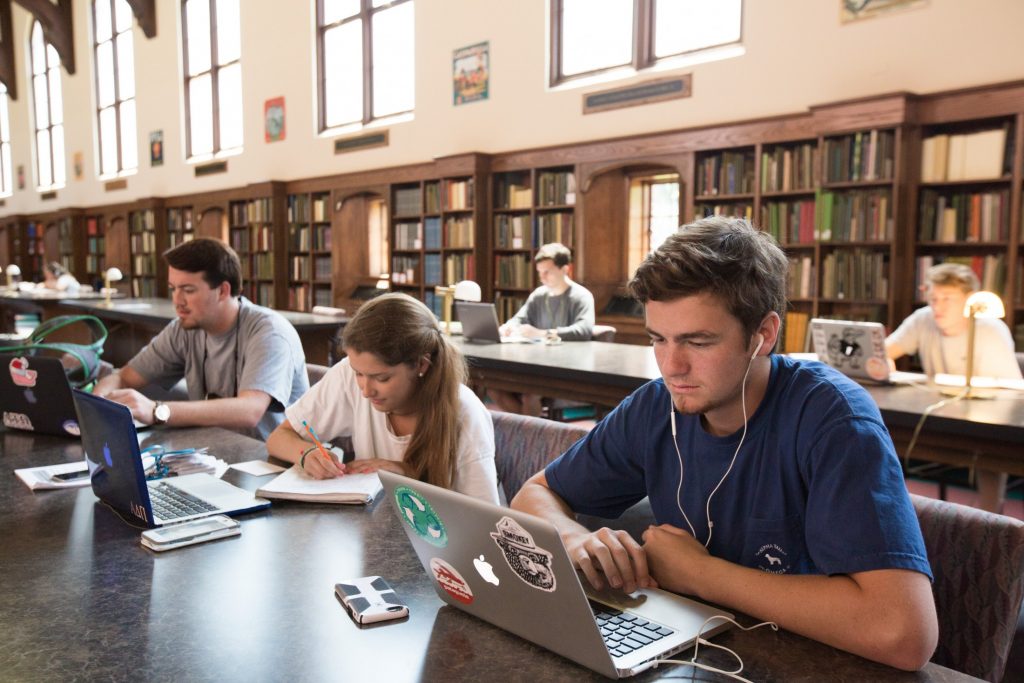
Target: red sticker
(21, 374)
(451, 580)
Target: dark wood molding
(7, 69)
(145, 14)
(57, 27)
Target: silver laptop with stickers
(856, 349)
(511, 569)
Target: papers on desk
(944, 380)
(294, 484)
(257, 468)
(37, 478)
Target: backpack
(87, 356)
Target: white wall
(797, 55)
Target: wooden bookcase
(180, 226)
(95, 250)
(255, 230)
(143, 243)
(532, 207)
(309, 251)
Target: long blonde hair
(398, 329)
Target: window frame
(641, 185)
(118, 100)
(48, 73)
(366, 12)
(214, 72)
(644, 22)
(6, 172)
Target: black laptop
(35, 395)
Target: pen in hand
(320, 446)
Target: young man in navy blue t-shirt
(775, 486)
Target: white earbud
(760, 343)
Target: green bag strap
(87, 355)
(48, 327)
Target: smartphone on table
(370, 599)
(189, 533)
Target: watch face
(162, 412)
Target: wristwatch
(161, 413)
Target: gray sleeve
(527, 315)
(581, 303)
(908, 334)
(162, 360)
(268, 366)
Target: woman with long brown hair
(400, 395)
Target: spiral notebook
(348, 489)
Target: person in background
(400, 395)
(937, 333)
(242, 363)
(774, 484)
(55, 276)
(559, 309)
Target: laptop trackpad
(212, 490)
(675, 611)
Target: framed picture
(471, 73)
(156, 148)
(273, 119)
(854, 10)
(78, 165)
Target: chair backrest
(524, 445)
(603, 333)
(977, 559)
(1020, 361)
(315, 372)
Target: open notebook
(294, 484)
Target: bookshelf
(68, 245)
(29, 246)
(433, 236)
(95, 250)
(310, 269)
(180, 226)
(724, 183)
(532, 207)
(251, 233)
(142, 241)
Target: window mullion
(557, 28)
(214, 77)
(367, 62)
(188, 80)
(643, 33)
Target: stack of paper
(191, 461)
(42, 477)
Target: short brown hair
(216, 261)
(953, 275)
(726, 257)
(554, 251)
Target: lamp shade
(13, 270)
(113, 275)
(467, 290)
(984, 305)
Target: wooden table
(80, 599)
(133, 322)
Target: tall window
(213, 76)
(653, 214)
(365, 60)
(48, 104)
(115, 86)
(591, 36)
(6, 185)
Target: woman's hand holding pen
(321, 463)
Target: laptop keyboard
(624, 632)
(171, 503)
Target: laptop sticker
(524, 558)
(420, 516)
(18, 421)
(71, 427)
(451, 581)
(21, 374)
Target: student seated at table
(937, 333)
(558, 308)
(55, 276)
(400, 396)
(242, 363)
(774, 485)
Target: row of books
(985, 154)
(800, 278)
(554, 227)
(512, 232)
(305, 237)
(512, 193)
(854, 216)
(964, 216)
(990, 269)
(96, 245)
(513, 270)
(179, 220)
(737, 210)
(405, 270)
(95, 263)
(459, 195)
(263, 266)
(784, 169)
(407, 201)
(556, 188)
(434, 302)
(143, 287)
(458, 267)
(142, 221)
(725, 173)
(142, 242)
(256, 238)
(794, 332)
(431, 269)
(263, 294)
(300, 268)
(458, 232)
(252, 211)
(176, 238)
(855, 274)
(303, 208)
(300, 299)
(860, 157)
(144, 264)
(790, 222)
(508, 306)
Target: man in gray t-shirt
(242, 363)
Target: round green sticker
(419, 515)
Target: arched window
(365, 60)
(48, 106)
(211, 54)
(115, 86)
